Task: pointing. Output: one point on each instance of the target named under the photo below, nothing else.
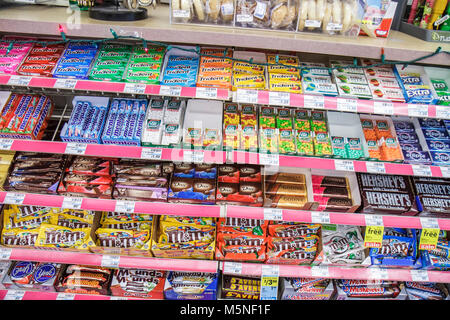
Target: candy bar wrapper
(426, 291)
(19, 237)
(345, 245)
(246, 193)
(189, 285)
(68, 221)
(228, 173)
(286, 202)
(27, 275)
(84, 280)
(293, 231)
(331, 192)
(291, 250)
(234, 287)
(178, 233)
(286, 189)
(189, 220)
(261, 225)
(395, 250)
(91, 191)
(329, 181)
(285, 178)
(142, 180)
(143, 193)
(147, 284)
(81, 215)
(370, 292)
(126, 239)
(9, 221)
(240, 247)
(61, 237)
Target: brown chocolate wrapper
(331, 192)
(384, 182)
(250, 173)
(286, 189)
(286, 202)
(333, 204)
(286, 178)
(388, 202)
(329, 181)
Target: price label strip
(232, 268)
(76, 148)
(373, 220)
(14, 198)
(117, 298)
(279, 98)
(246, 96)
(320, 272)
(170, 90)
(314, 102)
(65, 296)
(6, 144)
(151, 153)
(269, 282)
(347, 105)
(428, 239)
(442, 112)
(417, 110)
(419, 275)
(65, 84)
(110, 261)
(320, 217)
(19, 80)
(429, 223)
(5, 253)
(124, 206)
(421, 170)
(381, 107)
(344, 165)
(14, 295)
(72, 203)
(273, 214)
(445, 172)
(268, 159)
(375, 167)
(134, 88)
(373, 238)
(193, 156)
(378, 273)
(206, 93)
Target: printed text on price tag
(247, 96)
(151, 153)
(273, 214)
(193, 156)
(19, 80)
(373, 237)
(347, 105)
(268, 159)
(344, 165)
(76, 148)
(373, 220)
(269, 282)
(5, 144)
(65, 296)
(320, 271)
(110, 261)
(421, 170)
(445, 172)
(320, 217)
(14, 295)
(419, 275)
(65, 83)
(14, 198)
(72, 203)
(417, 110)
(134, 88)
(5, 253)
(378, 273)
(313, 102)
(124, 206)
(206, 93)
(279, 98)
(232, 267)
(375, 167)
(170, 90)
(382, 107)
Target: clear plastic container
(211, 12)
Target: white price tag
(65, 296)
(313, 102)
(72, 203)
(14, 295)
(313, 23)
(347, 105)
(76, 148)
(65, 84)
(135, 88)
(419, 275)
(5, 144)
(14, 198)
(269, 282)
(110, 261)
(193, 156)
(5, 253)
(118, 298)
(442, 112)
(124, 206)
(429, 223)
(279, 98)
(151, 153)
(273, 214)
(320, 271)
(170, 90)
(344, 165)
(206, 93)
(373, 220)
(247, 96)
(378, 273)
(181, 13)
(421, 170)
(417, 110)
(232, 268)
(334, 26)
(19, 80)
(244, 18)
(383, 107)
(445, 172)
(320, 217)
(375, 167)
(268, 159)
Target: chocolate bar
(329, 181)
(234, 287)
(228, 173)
(287, 202)
(384, 183)
(285, 177)
(332, 203)
(127, 192)
(250, 173)
(286, 189)
(331, 192)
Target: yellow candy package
(68, 221)
(202, 221)
(132, 225)
(84, 215)
(9, 221)
(61, 237)
(19, 237)
(115, 217)
(122, 238)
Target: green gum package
(284, 119)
